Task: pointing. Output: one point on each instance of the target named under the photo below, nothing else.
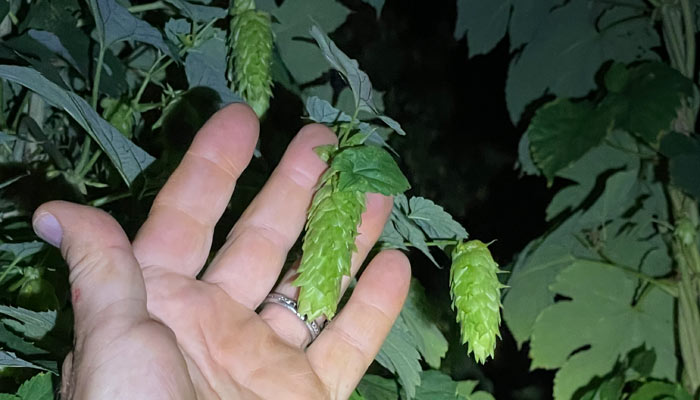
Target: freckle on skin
(76, 295)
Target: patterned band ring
(291, 305)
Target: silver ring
(291, 305)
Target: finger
(346, 347)
(177, 235)
(105, 279)
(250, 262)
(288, 325)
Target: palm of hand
(146, 327)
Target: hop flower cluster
(327, 250)
(476, 296)
(251, 42)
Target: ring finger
(286, 323)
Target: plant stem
(98, 75)
(108, 199)
(156, 5)
(689, 28)
(147, 79)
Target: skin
(146, 328)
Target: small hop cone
(251, 43)
(476, 295)
(327, 250)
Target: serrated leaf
(391, 123)
(128, 159)
(323, 112)
(660, 390)
(22, 250)
(602, 319)
(7, 396)
(39, 387)
(563, 131)
(646, 98)
(11, 360)
(17, 343)
(295, 18)
(416, 314)
(569, 47)
(373, 387)
(358, 80)
(198, 12)
(32, 324)
(434, 385)
(391, 238)
(206, 66)
(115, 24)
(465, 390)
(399, 355)
(369, 169)
(408, 229)
(484, 22)
(434, 220)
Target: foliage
(99, 100)
(619, 139)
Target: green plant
(615, 276)
(98, 101)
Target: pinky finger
(346, 347)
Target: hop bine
(251, 43)
(476, 295)
(329, 242)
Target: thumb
(105, 278)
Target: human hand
(147, 328)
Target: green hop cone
(251, 43)
(331, 229)
(476, 295)
(119, 114)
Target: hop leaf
(476, 296)
(328, 246)
(251, 42)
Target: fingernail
(46, 226)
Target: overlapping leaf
(369, 169)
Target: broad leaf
(174, 28)
(569, 48)
(198, 12)
(377, 5)
(416, 314)
(32, 324)
(683, 153)
(323, 112)
(369, 169)
(660, 390)
(434, 220)
(11, 341)
(11, 360)
(373, 387)
(603, 319)
(22, 250)
(645, 98)
(115, 24)
(562, 131)
(129, 159)
(206, 66)
(53, 43)
(295, 19)
(39, 387)
(399, 355)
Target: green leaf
(465, 390)
(5, 7)
(434, 220)
(683, 153)
(358, 81)
(434, 385)
(176, 28)
(585, 336)
(53, 43)
(22, 250)
(11, 360)
(7, 396)
(323, 112)
(646, 98)
(569, 47)
(17, 343)
(373, 387)
(206, 66)
(525, 163)
(562, 131)
(377, 5)
(115, 24)
(660, 390)
(294, 21)
(369, 169)
(391, 123)
(38, 387)
(399, 355)
(198, 12)
(32, 324)
(129, 159)
(484, 22)
(418, 317)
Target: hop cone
(328, 246)
(476, 296)
(251, 43)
